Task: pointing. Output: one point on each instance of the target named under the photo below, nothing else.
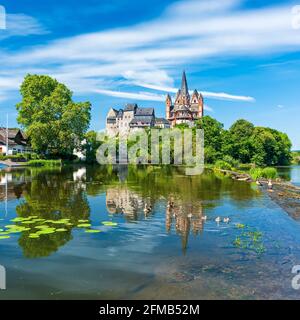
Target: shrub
(44, 163)
(256, 173)
(223, 165)
(269, 173)
(233, 162)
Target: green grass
(44, 163)
(267, 173)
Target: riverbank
(283, 193)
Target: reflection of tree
(186, 198)
(52, 195)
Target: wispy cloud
(146, 96)
(150, 54)
(21, 25)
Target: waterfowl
(226, 220)
(204, 218)
(189, 215)
(258, 183)
(270, 184)
(147, 209)
(218, 219)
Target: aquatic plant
(249, 239)
(256, 173)
(269, 173)
(222, 165)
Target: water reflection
(187, 218)
(132, 193)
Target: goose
(218, 219)
(226, 220)
(147, 209)
(258, 183)
(270, 184)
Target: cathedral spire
(184, 86)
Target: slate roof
(130, 107)
(144, 112)
(162, 120)
(141, 120)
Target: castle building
(132, 118)
(186, 108)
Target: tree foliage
(245, 143)
(54, 123)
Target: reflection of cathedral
(122, 200)
(184, 217)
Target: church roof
(184, 85)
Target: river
(147, 233)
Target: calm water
(168, 252)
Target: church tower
(185, 96)
(186, 108)
(168, 106)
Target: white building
(131, 118)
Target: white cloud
(146, 96)
(150, 54)
(21, 25)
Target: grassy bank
(241, 171)
(296, 157)
(44, 163)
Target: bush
(44, 163)
(233, 162)
(269, 173)
(223, 165)
(256, 173)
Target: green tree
(270, 147)
(213, 137)
(237, 141)
(54, 123)
(91, 146)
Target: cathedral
(186, 108)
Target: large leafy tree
(270, 147)
(237, 143)
(54, 123)
(213, 137)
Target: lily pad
(92, 231)
(110, 223)
(4, 237)
(84, 225)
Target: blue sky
(244, 56)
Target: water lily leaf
(4, 237)
(28, 222)
(109, 223)
(92, 231)
(84, 225)
(61, 230)
(42, 227)
(83, 221)
(34, 236)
